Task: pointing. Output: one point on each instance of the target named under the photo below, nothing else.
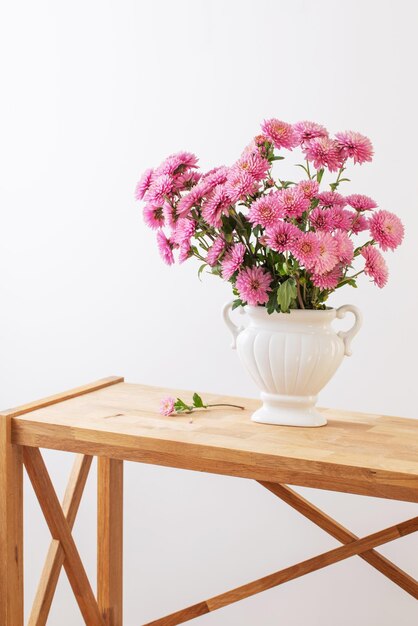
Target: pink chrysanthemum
(239, 184)
(387, 229)
(321, 219)
(306, 249)
(375, 266)
(153, 216)
(340, 219)
(282, 237)
(327, 257)
(324, 152)
(187, 180)
(265, 211)
(177, 163)
(165, 247)
(280, 134)
(359, 202)
(254, 164)
(309, 188)
(215, 251)
(216, 176)
(194, 197)
(144, 184)
(330, 199)
(167, 406)
(328, 280)
(160, 189)
(184, 230)
(355, 145)
(170, 214)
(292, 202)
(305, 131)
(345, 247)
(185, 251)
(216, 204)
(253, 284)
(232, 260)
(359, 222)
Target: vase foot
(288, 411)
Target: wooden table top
(355, 453)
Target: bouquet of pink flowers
(280, 243)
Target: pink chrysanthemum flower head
(265, 211)
(360, 202)
(359, 222)
(309, 188)
(216, 176)
(187, 180)
(165, 248)
(281, 237)
(330, 199)
(184, 230)
(240, 184)
(306, 249)
(185, 252)
(387, 229)
(340, 219)
(144, 184)
(232, 260)
(327, 257)
(375, 266)
(216, 204)
(160, 189)
(215, 252)
(328, 280)
(324, 152)
(345, 247)
(167, 406)
(321, 219)
(305, 131)
(280, 134)
(356, 146)
(254, 164)
(253, 284)
(177, 163)
(292, 202)
(153, 216)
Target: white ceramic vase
(291, 357)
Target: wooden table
(355, 453)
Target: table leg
(110, 540)
(11, 528)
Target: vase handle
(235, 330)
(348, 335)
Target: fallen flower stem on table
(170, 406)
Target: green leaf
(277, 158)
(200, 270)
(197, 401)
(181, 406)
(319, 175)
(286, 293)
(236, 303)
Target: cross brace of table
(106, 608)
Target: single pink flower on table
(216, 204)
(281, 237)
(359, 202)
(144, 184)
(327, 257)
(331, 199)
(215, 251)
(253, 284)
(232, 260)
(356, 146)
(167, 406)
(321, 219)
(306, 249)
(345, 247)
(292, 202)
(160, 189)
(153, 216)
(265, 211)
(324, 152)
(328, 280)
(281, 134)
(375, 266)
(359, 222)
(340, 219)
(240, 184)
(387, 229)
(305, 131)
(254, 164)
(165, 247)
(309, 188)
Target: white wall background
(93, 92)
